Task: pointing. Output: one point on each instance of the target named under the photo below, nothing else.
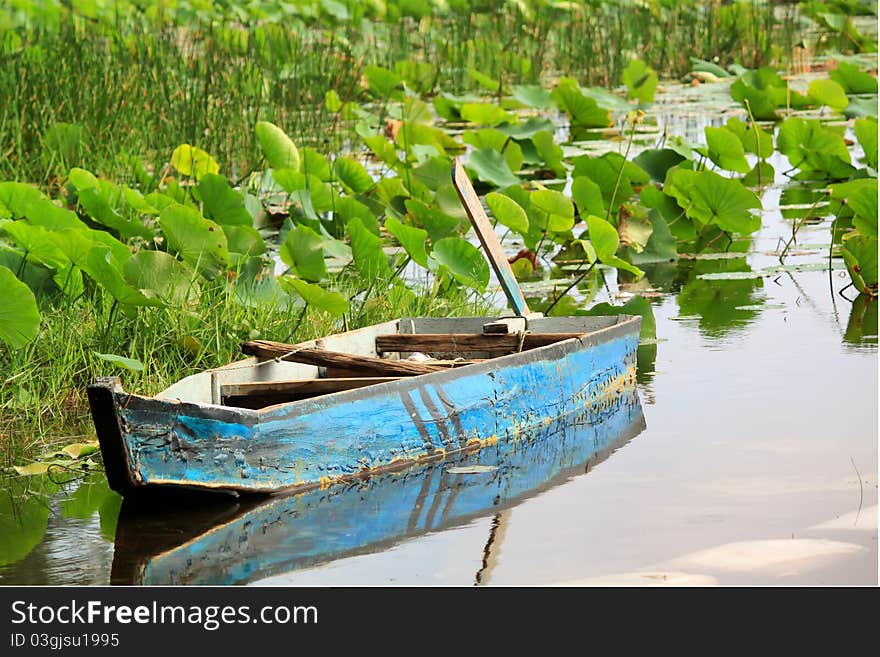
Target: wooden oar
(488, 239)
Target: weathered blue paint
(316, 441)
(292, 532)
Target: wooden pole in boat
(489, 239)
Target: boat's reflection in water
(233, 542)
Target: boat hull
(243, 541)
(148, 442)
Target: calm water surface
(755, 462)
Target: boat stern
(103, 395)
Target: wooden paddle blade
(488, 239)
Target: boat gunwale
(257, 415)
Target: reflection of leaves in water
(862, 325)
(717, 301)
(94, 496)
(23, 521)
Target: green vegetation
(185, 176)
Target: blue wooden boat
(363, 402)
(241, 540)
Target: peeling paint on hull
(357, 433)
(241, 543)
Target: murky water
(751, 458)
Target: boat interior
(278, 373)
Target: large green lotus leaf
(222, 203)
(485, 114)
(366, 248)
(533, 96)
(37, 242)
(829, 93)
(243, 242)
(192, 161)
(43, 212)
(23, 522)
(413, 134)
(657, 161)
(605, 240)
(348, 207)
(753, 138)
(761, 174)
(661, 245)
(200, 242)
(725, 203)
(383, 149)
(43, 246)
(726, 150)
(810, 146)
(76, 244)
(680, 225)
(584, 112)
(462, 260)
(861, 197)
(614, 176)
(36, 277)
(411, 239)
(352, 175)
(489, 166)
(496, 140)
(587, 196)
(549, 152)
(381, 82)
(860, 256)
(97, 205)
(19, 316)
(527, 128)
(557, 208)
(314, 295)
(101, 267)
(278, 149)
(757, 101)
(508, 212)
(315, 164)
(636, 306)
(163, 275)
(437, 223)
(15, 198)
(303, 249)
(866, 132)
(854, 80)
(434, 172)
(640, 80)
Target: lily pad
(278, 149)
(126, 363)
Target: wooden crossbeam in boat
(300, 386)
(351, 362)
(453, 342)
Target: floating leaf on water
(76, 450)
(471, 469)
(853, 80)
(37, 468)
